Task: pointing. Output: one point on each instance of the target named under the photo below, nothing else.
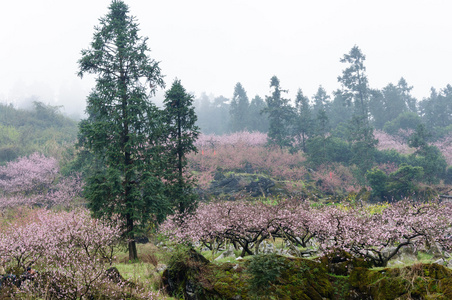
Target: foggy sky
(211, 45)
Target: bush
(432, 161)
(406, 120)
(265, 269)
(390, 156)
(377, 180)
(322, 150)
(399, 184)
(448, 177)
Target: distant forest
(42, 129)
(391, 109)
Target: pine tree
(239, 109)
(356, 91)
(405, 90)
(280, 115)
(354, 82)
(303, 121)
(124, 129)
(180, 119)
(258, 120)
(321, 100)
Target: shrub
(265, 269)
(448, 178)
(320, 150)
(378, 181)
(398, 185)
(390, 156)
(406, 120)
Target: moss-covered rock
(278, 277)
(182, 277)
(342, 263)
(420, 281)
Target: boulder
(181, 275)
(161, 268)
(449, 264)
(226, 253)
(254, 185)
(114, 275)
(268, 248)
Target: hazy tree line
(42, 128)
(339, 128)
(390, 109)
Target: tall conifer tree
(123, 130)
(180, 119)
(239, 109)
(280, 116)
(303, 122)
(356, 91)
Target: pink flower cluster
(236, 151)
(386, 142)
(379, 236)
(335, 177)
(206, 141)
(35, 181)
(445, 146)
(353, 229)
(27, 175)
(70, 251)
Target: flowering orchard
(35, 181)
(358, 230)
(247, 152)
(445, 146)
(70, 252)
(243, 152)
(387, 141)
(239, 150)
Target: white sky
(211, 45)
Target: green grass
(143, 271)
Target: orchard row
(69, 253)
(375, 234)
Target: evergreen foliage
(265, 269)
(258, 120)
(303, 126)
(427, 156)
(239, 109)
(213, 114)
(436, 110)
(397, 185)
(404, 121)
(356, 92)
(324, 150)
(339, 112)
(181, 132)
(321, 101)
(124, 129)
(280, 115)
(392, 101)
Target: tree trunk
(133, 255)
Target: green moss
(421, 281)
(298, 278)
(229, 284)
